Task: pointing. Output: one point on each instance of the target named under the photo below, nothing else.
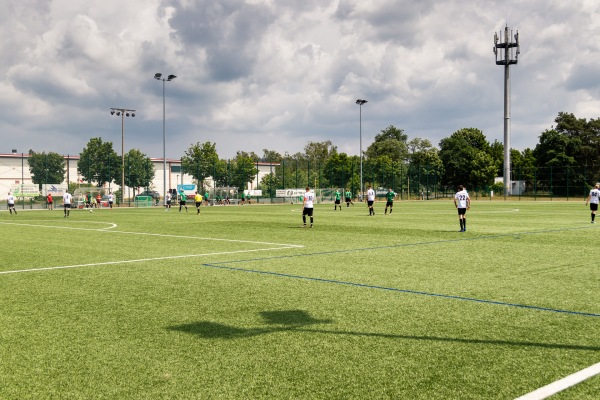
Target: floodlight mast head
(360, 102)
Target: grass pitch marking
(139, 260)
(278, 246)
(562, 384)
(112, 225)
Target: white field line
(157, 234)
(110, 225)
(562, 384)
(139, 260)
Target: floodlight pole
(122, 112)
(158, 76)
(506, 58)
(360, 103)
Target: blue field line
(391, 289)
(221, 265)
(394, 246)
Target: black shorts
(337, 201)
(389, 204)
(369, 203)
(182, 202)
(594, 206)
(462, 211)
(168, 202)
(347, 199)
(67, 206)
(307, 211)
(198, 204)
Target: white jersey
(111, 198)
(10, 200)
(168, 197)
(370, 195)
(461, 199)
(594, 196)
(309, 198)
(67, 198)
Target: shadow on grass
(300, 321)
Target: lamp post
(158, 77)
(122, 112)
(360, 103)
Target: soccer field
(242, 302)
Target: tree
(390, 142)
(200, 161)
(338, 170)
(555, 158)
(292, 173)
(497, 153)
(221, 174)
(555, 149)
(318, 152)
(244, 169)
(523, 167)
(587, 137)
(425, 158)
(98, 162)
(271, 156)
(139, 170)
(466, 159)
(268, 184)
(46, 168)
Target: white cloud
(258, 74)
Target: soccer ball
(90, 210)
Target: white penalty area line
(110, 225)
(562, 384)
(139, 260)
(283, 245)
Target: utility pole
(507, 56)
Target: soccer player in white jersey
(370, 200)
(462, 202)
(10, 200)
(308, 206)
(594, 199)
(111, 199)
(67, 203)
(168, 201)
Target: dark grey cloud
(227, 33)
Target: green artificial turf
(242, 302)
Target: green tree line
(565, 157)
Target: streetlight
(360, 104)
(122, 112)
(158, 77)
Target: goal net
(143, 201)
(88, 198)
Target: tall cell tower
(507, 53)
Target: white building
(14, 171)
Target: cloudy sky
(277, 74)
